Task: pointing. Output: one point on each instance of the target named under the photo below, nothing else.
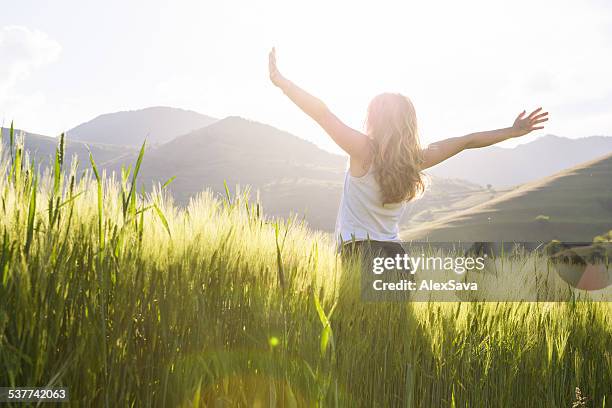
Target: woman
(386, 162)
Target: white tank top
(362, 216)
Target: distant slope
(242, 152)
(293, 176)
(575, 205)
(503, 167)
(158, 124)
(42, 148)
(444, 197)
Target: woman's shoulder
(362, 166)
(359, 170)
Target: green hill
(572, 205)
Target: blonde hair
(397, 155)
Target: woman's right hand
(275, 76)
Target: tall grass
(128, 300)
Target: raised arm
(444, 149)
(350, 140)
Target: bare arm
(442, 150)
(350, 140)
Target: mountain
(158, 124)
(504, 167)
(572, 205)
(292, 176)
(42, 148)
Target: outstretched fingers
(525, 124)
(271, 60)
(540, 118)
(272, 64)
(541, 115)
(534, 113)
(537, 119)
(275, 76)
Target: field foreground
(128, 300)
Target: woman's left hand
(526, 124)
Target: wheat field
(130, 300)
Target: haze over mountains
(42, 148)
(291, 176)
(157, 124)
(294, 176)
(505, 167)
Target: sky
(467, 66)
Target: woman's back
(362, 215)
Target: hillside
(572, 205)
(504, 167)
(445, 196)
(158, 124)
(293, 176)
(42, 148)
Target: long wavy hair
(391, 125)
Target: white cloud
(23, 51)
